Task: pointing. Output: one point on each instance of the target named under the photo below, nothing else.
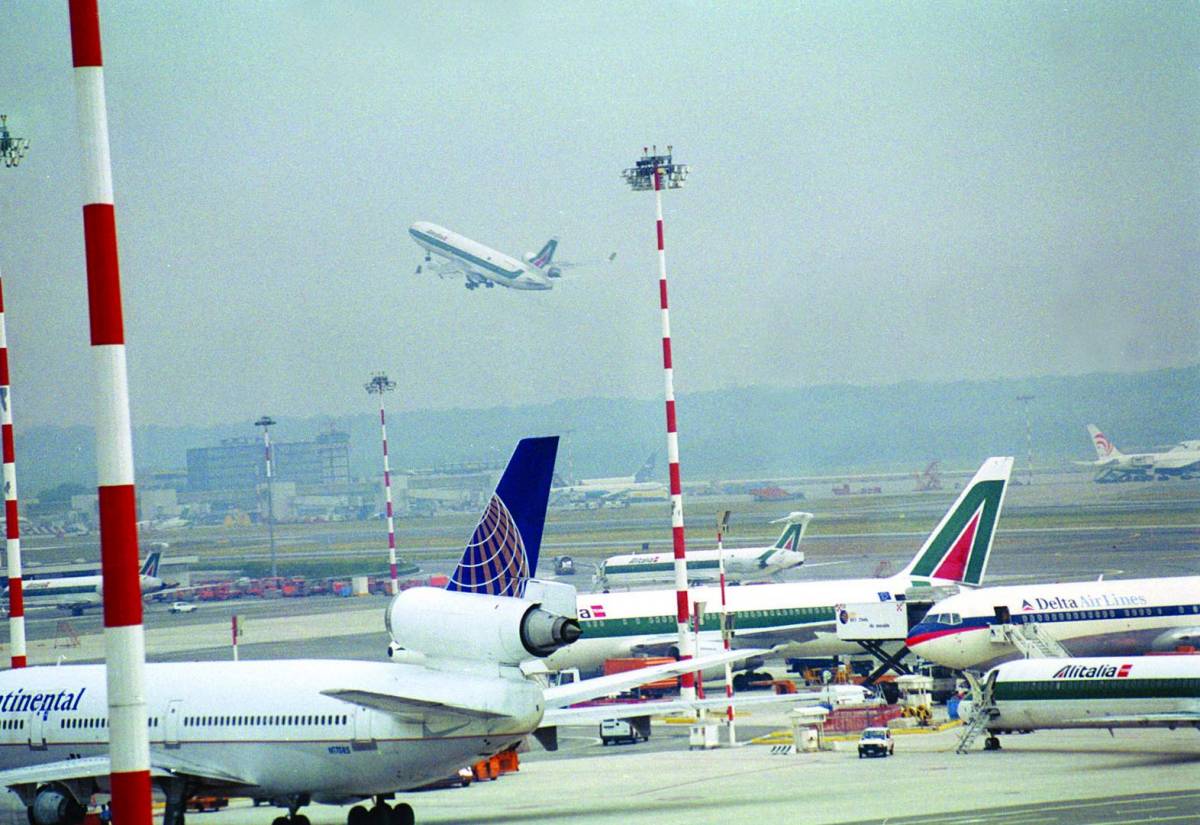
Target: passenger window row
(244, 721)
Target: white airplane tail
(1105, 449)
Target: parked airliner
(799, 616)
(77, 593)
(1116, 617)
(335, 731)
(481, 265)
(616, 490)
(1107, 692)
(1182, 460)
(741, 563)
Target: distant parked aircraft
(597, 492)
(1181, 460)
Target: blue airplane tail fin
(503, 551)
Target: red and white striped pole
(12, 525)
(725, 630)
(124, 640)
(379, 384)
(687, 690)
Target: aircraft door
(363, 738)
(36, 726)
(172, 719)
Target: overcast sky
(880, 192)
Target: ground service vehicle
(181, 607)
(619, 730)
(876, 742)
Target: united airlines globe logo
(495, 560)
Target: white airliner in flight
(481, 265)
(336, 731)
(741, 563)
(1130, 692)
(1118, 617)
(1181, 460)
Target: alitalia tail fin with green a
(958, 548)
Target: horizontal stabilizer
(408, 708)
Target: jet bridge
(881, 627)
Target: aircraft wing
(162, 765)
(622, 710)
(563, 695)
(407, 707)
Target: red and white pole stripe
(12, 525)
(387, 494)
(725, 640)
(687, 690)
(124, 640)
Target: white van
(619, 730)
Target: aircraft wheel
(992, 743)
(358, 816)
(381, 814)
(402, 814)
(280, 820)
(300, 819)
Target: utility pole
(13, 150)
(266, 422)
(1025, 399)
(378, 385)
(124, 635)
(654, 172)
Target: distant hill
(737, 433)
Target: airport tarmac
(1048, 777)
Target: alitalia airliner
(481, 265)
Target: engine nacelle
(554, 272)
(54, 805)
(476, 627)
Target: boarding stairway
(1028, 638)
(983, 710)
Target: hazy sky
(880, 192)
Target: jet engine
(55, 805)
(554, 272)
(475, 626)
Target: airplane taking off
(799, 616)
(1121, 617)
(1182, 460)
(1131, 692)
(78, 593)
(741, 563)
(481, 265)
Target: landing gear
(471, 285)
(382, 813)
(992, 743)
(293, 804)
(489, 284)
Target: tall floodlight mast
(655, 172)
(1025, 399)
(124, 636)
(378, 385)
(266, 422)
(13, 149)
